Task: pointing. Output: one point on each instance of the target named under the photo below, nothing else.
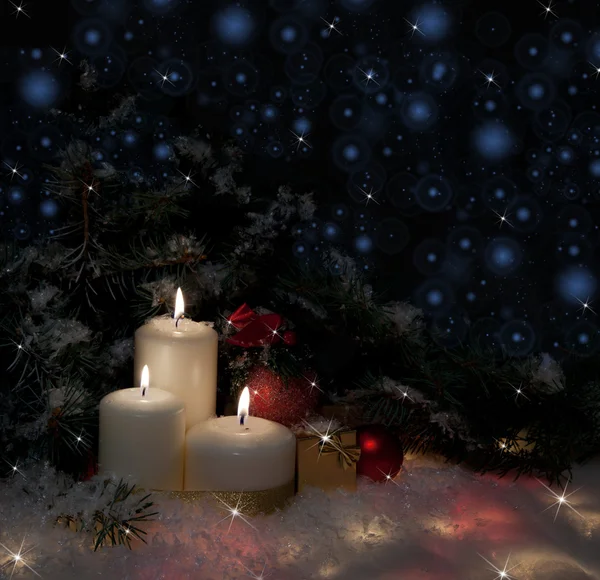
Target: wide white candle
(239, 453)
(183, 355)
(142, 436)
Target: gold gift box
(327, 464)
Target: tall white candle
(183, 355)
(239, 453)
(142, 436)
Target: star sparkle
(15, 469)
(404, 393)
(388, 477)
(90, 188)
(301, 139)
(369, 196)
(369, 75)
(20, 10)
(519, 391)
(331, 26)
(274, 331)
(490, 78)
(414, 26)
(188, 178)
(326, 437)
(501, 445)
(80, 438)
(561, 499)
(20, 349)
(64, 55)
(503, 218)
(313, 384)
(596, 69)
(585, 305)
(256, 393)
(14, 170)
(17, 558)
(164, 78)
(256, 576)
(501, 574)
(547, 9)
(229, 322)
(234, 512)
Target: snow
(437, 521)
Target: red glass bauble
(381, 453)
(289, 337)
(92, 466)
(286, 402)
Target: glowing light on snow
(502, 574)
(388, 477)
(17, 558)
(15, 469)
(561, 499)
(234, 512)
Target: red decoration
(289, 337)
(381, 453)
(284, 402)
(255, 330)
(242, 316)
(92, 466)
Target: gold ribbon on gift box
(348, 455)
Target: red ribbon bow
(255, 330)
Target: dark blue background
(445, 152)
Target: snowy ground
(435, 522)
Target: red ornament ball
(286, 402)
(289, 337)
(381, 453)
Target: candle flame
(244, 405)
(179, 306)
(145, 382)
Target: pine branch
(351, 305)
(155, 253)
(118, 522)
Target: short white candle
(142, 436)
(183, 355)
(224, 455)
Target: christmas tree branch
(117, 523)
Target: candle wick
(242, 418)
(177, 320)
(144, 392)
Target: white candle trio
(165, 435)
